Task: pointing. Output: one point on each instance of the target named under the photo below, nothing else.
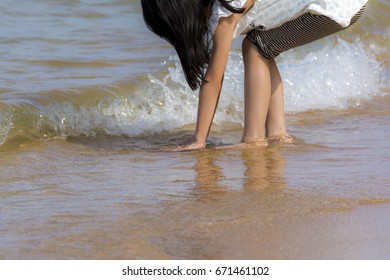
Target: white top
(268, 14)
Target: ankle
(276, 132)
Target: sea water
(88, 96)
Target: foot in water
(283, 139)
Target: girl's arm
(212, 84)
(211, 87)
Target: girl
(202, 31)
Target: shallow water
(103, 198)
(88, 97)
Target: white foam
(319, 77)
(5, 126)
(331, 78)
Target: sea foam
(334, 75)
(317, 77)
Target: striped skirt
(303, 30)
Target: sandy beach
(85, 114)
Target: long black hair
(184, 24)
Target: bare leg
(275, 123)
(257, 92)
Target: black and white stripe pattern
(303, 30)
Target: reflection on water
(102, 202)
(231, 188)
(263, 170)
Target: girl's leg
(257, 92)
(275, 123)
